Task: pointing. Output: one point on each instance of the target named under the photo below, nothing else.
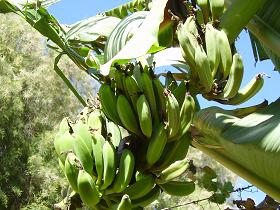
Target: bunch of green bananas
(106, 170)
(87, 151)
(216, 71)
(157, 115)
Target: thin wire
(196, 202)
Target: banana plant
(249, 145)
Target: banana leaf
(21, 4)
(250, 146)
(263, 53)
(169, 56)
(125, 9)
(237, 16)
(145, 38)
(92, 28)
(7, 7)
(47, 3)
(264, 27)
(122, 34)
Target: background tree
(33, 100)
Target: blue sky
(70, 11)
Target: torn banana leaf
(92, 28)
(145, 38)
(122, 33)
(169, 56)
(250, 146)
(125, 9)
(6, 5)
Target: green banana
(197, 105)
(144, 116)
(84, 114)
(124, 174)
(97, 148)
(180, 92)
(160, 98)
(127, 116)
(186, 114)
(108, 101)
(217, 8)
(173, 114)
(156, 144)
(132, 89)
(61, 165)
(247, 92)
(138, 68)
(125, 203)
(84, 155)
(71, 170)
(212, 49)
(188, 44)
(119, 79)
(204, 6)
(113, 133)
(235, 78)
(139, 175)
(147, 199)
(63, 144)
(177, 188)
(176, 150)
(146, 84)
(242, 112)
(225, 53)
(64, 126)
(82, 130)
(170, 81)
(109, 163)
(141, 187)
(88, 191)
(174, 170)
(203, 69)
(95, 121)
(191, 27)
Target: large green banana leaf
(250, 146)
(264, 27)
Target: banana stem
(241, 171)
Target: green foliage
(24, 103)
(33, 100)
